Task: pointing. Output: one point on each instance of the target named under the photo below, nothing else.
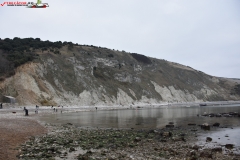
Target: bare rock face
(92, 75)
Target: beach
(25, 137)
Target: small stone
(166, 134)
(71, 149)
(137, 139)
(208, 139)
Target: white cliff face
(171, 94)
(107, 62)
(123, 98)
(133, 94)
(137, 68)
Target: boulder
(169, 126)
(205, 126)
(192, 124)
(216, 124)
(229, 146)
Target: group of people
(36, 111)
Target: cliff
(88, 75)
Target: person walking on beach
(96, 108)
(26, 111)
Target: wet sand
(15, 130)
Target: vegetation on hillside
(237, 89)
(15, 52)
(141, 58)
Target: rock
(69, 124)
(211, 115)
(191, 124)
(206, 154)
(169, 126)
(182, 134)
(196, 147)
(208, 139)
(192, 153)
(205, 126)
(137, 139)
(166, 134)
(205, 114)
(217, 149)
(175, 139)
(229, 146)
(83, 157)
(71, 149)
(171, 123)
(150, 140)
(216, 124)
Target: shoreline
(156, 147)
(69, 142)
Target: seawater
(145, 118)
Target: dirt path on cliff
(15, 131)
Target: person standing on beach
(26, 111)
(1, 106)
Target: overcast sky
(203, 34)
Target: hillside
(47, 73)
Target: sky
(202, 34)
